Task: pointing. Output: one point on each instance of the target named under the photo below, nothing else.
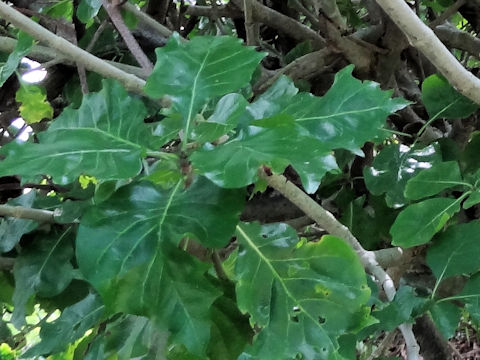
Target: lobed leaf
(303, 296)
(137, 267)
(72, 324)
(351, 113)
(105, 138)
(34, 105)
(195, 71)
(235, 163)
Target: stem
(326, 220)
(43, 216)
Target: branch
(327, 221)
(43, 54)
(42, 216)
(147, 20)
(447, 13)
(424, 39)
(132, 44)
(283, 23)
(458, 39)
(67, 49)
(213, 12)
(249, 24)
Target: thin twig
(67, 49)
(447, 13)
(147, 20)
(327, 221)
(132, 44)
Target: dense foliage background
(238, 179)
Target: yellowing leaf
(35, 106)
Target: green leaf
(398, 311)
(12, 229)
(88, 9)
(104, 138)
(432, 180)
(72, 324)
(369, 222)
(22, 48)
(351, 113)
(235, 163)
(135, 233)
(417, 223)
(43, 268)
(470, 295)
(473, 199)
(451, 253)
(231, 331)
(203, 68)
(132, 337)
(394, 166)
(303, 296)
(224, 119)
(35, 106)
(446, 317)
(60, 9)
(443, 101)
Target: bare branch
(132, 44)
(283, 23)
(424, 39)
(147, 20)
(458, 39)
(447, 13)
(72, 52)
(43, 53)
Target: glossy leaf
(451, 253)
(302, 296)
(443, 101)
(351, 113)
(431, 181)
(12, 229)
(235, 163)
(70, 326)
(42, 268)
(417, 223)
(394, 166)
(225, 117)
(135, 233)
(22, 48)
(446, 317)
(34, 105)
(104, 138)
(473, 199)
(203, 68)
